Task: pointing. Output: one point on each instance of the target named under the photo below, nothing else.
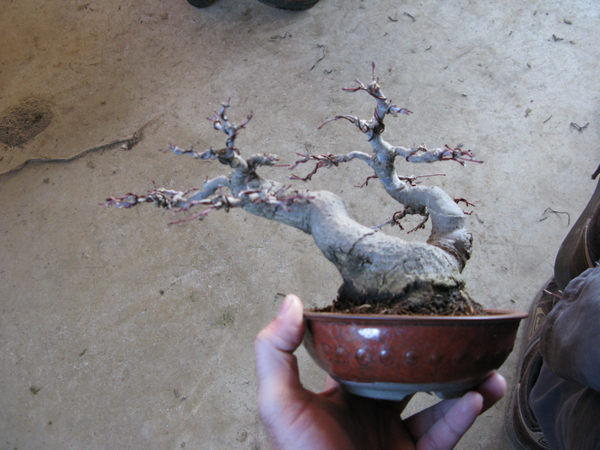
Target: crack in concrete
(127, 143)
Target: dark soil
(23, 122)
(426, 302)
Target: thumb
(276, 366)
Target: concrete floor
(120, 331)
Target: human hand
(296, 418)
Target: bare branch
(399, 215)
(266, 159)
(326, 160)
(448, 220)
(161, 197)
(384, 105)
(464, 200)
(220, 201)
(422, 154)
(366, 183)
(210, 187)
(362, 125)
(211, 153)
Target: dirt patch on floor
(23, 122)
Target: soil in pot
(430, 301)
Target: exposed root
(424, 301)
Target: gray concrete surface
(136, 334)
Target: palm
(335, 420)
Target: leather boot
(581, 248)
(579, 251)
(522, 427)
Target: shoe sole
(518, 429)
(535, 442)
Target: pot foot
(399, 391)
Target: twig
(320, 59)
(548, 119)
(465, 201)
(326, 160)
(412, 179)
(579, 128)
(286, 35)
(420, 226)
(398, 216)
(558, 295)
(366, 183)
(557, 212)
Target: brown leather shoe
(522, 427)
(295, 5)
(581, 248)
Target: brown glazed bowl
(391, 357)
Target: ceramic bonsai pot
(391, 357)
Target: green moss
(227, 318)
(34, 390)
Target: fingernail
(285, 306)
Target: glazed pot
(390, 357)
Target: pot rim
(494, 315)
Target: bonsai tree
(380, 273)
